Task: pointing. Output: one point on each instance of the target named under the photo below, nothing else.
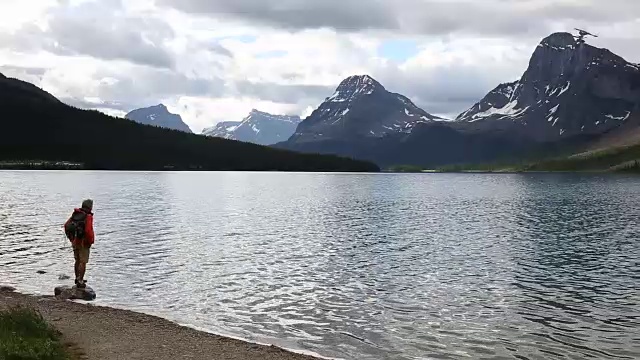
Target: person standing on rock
(79, 230)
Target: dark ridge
(36, 126)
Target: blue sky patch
(398, 50)
(247, 39)
(271, 54)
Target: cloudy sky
(215, 60)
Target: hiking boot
(82, 285)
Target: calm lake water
(353, 266)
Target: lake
(351, 266)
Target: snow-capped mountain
(222, 129)
(570, 95)
(259, 127)
(495, 103)
(570, 88)
(361, 108)
(160, 116)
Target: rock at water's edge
(7, 289)
(74, 293)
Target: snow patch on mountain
(223, 129)
(564, 89)
(258, 127)
(620, 118)
(511, 109)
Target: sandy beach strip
(103, 333)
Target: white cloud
(15, 13)
(211, 68)
(198, 112)
(446, 77)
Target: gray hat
(87, 204)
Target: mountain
(36, 95)
(571, 96)
(625, 135)
(360, 108)
(569, 89)
(36, 126)
(222, 129)
(365, 121)
(258, 128)
(160, 116)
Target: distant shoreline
(476, 172)
(62, 165)
(65, 165)
(109, 333)
(40, 165)
(509, 172)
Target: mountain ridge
(360, 107)
(158, 115)
(222, 129)
(38, 127)
(570, 94)
(569, 88)
(258, 127)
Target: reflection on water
(354, 266)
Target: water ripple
(351, 265)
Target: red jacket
(89, 235)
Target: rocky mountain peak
(257, 115)
(359, 81)
(569, 88)
(355, 87)
(498, 98)
(560, 55)
(360, 108)
(160, 107)
(158, 115)
(258, 127)
(560, 41)
(257, 112)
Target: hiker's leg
(76, 265)
(84, 259)
(82, 268)
(76, 268)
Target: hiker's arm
(64, 228)
(89, 234)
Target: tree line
(35, 126)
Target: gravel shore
(102, 333)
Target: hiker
(79, 230)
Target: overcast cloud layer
(215, 60)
